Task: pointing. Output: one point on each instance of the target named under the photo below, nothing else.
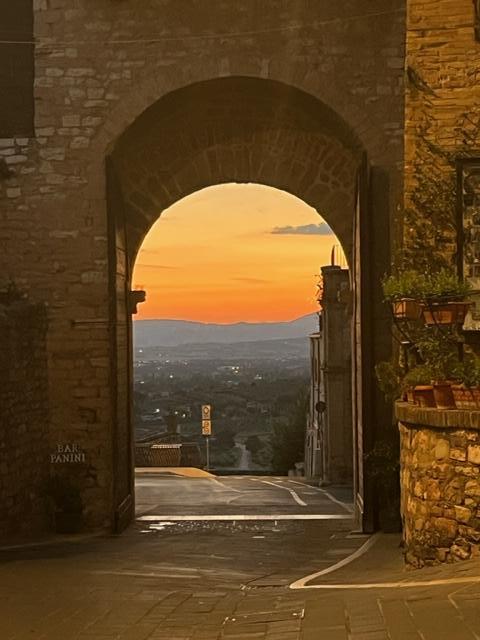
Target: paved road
(170, 495)
(232, 580)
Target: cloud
(252, 280)
(321, 229)
(159, 267)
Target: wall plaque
(67, 453)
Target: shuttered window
(16, 68)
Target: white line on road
(139, 574)
(344, 505)
(225, 487)
(293, 493)
(302, 583)
(242, 516)
(411, 584)
(352, 586)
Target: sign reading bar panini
(67, 453)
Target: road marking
(293, 493)
(302, 583)
(442, 582)
(225, 487)
(213, 518)
(400, 584)
(139, 574)
(344, 505)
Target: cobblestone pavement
(214, 581)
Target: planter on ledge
(444, 312)
(406, 309)
(423, 395)
(466, 398)
(443, 395)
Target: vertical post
(207, 429)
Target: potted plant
(443, 298)
(403, 291)
(467, 393)
(419, 381)
(66, 504)
(440, 351)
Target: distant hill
(289, 349)
(172, 333)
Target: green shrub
(445, 285)
(389, 376)
(406, 284)
(419, 375)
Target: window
(16, 68)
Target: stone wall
(440, 483)
(442, 121)
(99, 67)
(24, 447)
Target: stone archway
(237, 129)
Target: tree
(288, 440)
(253, 444)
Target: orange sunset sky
(230, 253)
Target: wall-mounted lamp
(136, 297)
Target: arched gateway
(114, 110)
(241, 129)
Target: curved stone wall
(440, 483)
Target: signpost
(207, 429)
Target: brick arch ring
(236, 130)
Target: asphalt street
(166, 494)
(276, 574)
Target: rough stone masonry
(440, 479)
(94, 71)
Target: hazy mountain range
(171, 333)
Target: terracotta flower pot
(443, 394)
(465, 398)
(410, 393)
(407, 309)
(423, 395)
(445, 312)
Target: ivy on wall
(430, 233)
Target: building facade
(329, 436)
(111, 111)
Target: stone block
(474, 453)
(71, 121)
(460, 552)
(446, 529)
(472, 488)
(442, 450)
(458, 454)
(442, 553)
(433, 491)
(463, 514)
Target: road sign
(207, 429)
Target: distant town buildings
(328, 439)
